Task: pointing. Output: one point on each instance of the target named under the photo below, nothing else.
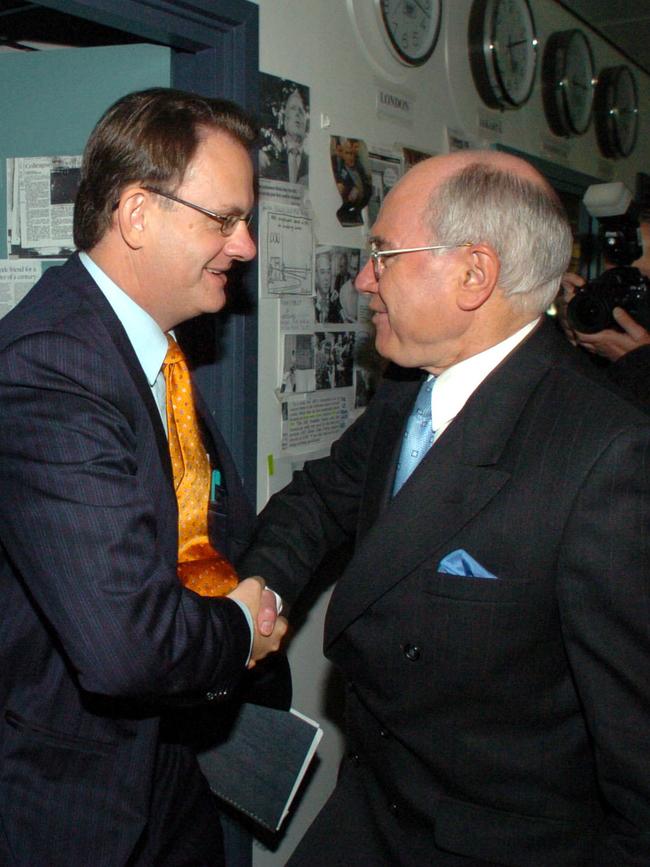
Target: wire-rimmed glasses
(378, 256)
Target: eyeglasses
(378, 256)
(227, 222)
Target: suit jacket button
(210, 696)
(354, 758)
(411, 652)
(394, 808)
(383, 733)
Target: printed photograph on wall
(298, 363)
(412, 156)
(352, 175)
(284, 130)
(386, 168)
(334, 359)
(335, 269)
(368, 369)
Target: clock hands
(425, 12)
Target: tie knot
(174, 352)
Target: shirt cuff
(249, 618)
(278, 600)
(251, 627)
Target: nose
(365, 280)
(240, 244)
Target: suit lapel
(459, 476)
(80, 279)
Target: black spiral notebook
(258, 769)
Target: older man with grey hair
(493, 623)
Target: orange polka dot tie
(200, 567)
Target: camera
(590, 310)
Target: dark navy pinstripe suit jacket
(97, 637)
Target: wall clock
(568, 80)
(412, 28)
(616, 111)
(502, 51)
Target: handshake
(269, 627)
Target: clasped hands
(270, 628)
(609, 343)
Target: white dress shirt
(455, 385)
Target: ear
(131, 216)
(480, 276)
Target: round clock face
(412, 27)
(568, 79)
(616, 108)
(503, 51)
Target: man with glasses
(107, 657)
(492, 623)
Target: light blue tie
(418, 436)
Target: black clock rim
(524, 100)
(607, 133)
(407, 58)
(554, 98)
(481, 59)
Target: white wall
(320, 44)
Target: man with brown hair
(103, 641)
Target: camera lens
(588, 313)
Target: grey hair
(522, 221)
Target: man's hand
(268, 613)
(615, 344)
(269, 628)
(609, 343)
(570, 282)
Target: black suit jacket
(98, 638)
(503, 719)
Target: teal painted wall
(50, 100)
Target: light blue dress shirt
(150, 345)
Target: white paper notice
(286, 249)
(313, 420)
(17, 276)
(40, 203)
(296, 314)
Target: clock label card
(396, 104)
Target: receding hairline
(440, 169)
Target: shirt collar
(455, 385)
(148, 340)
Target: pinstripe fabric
(505, 720)
(100, 639)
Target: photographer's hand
(615, 344)
(570, 282)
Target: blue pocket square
(459, 562)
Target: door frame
(216, 51)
